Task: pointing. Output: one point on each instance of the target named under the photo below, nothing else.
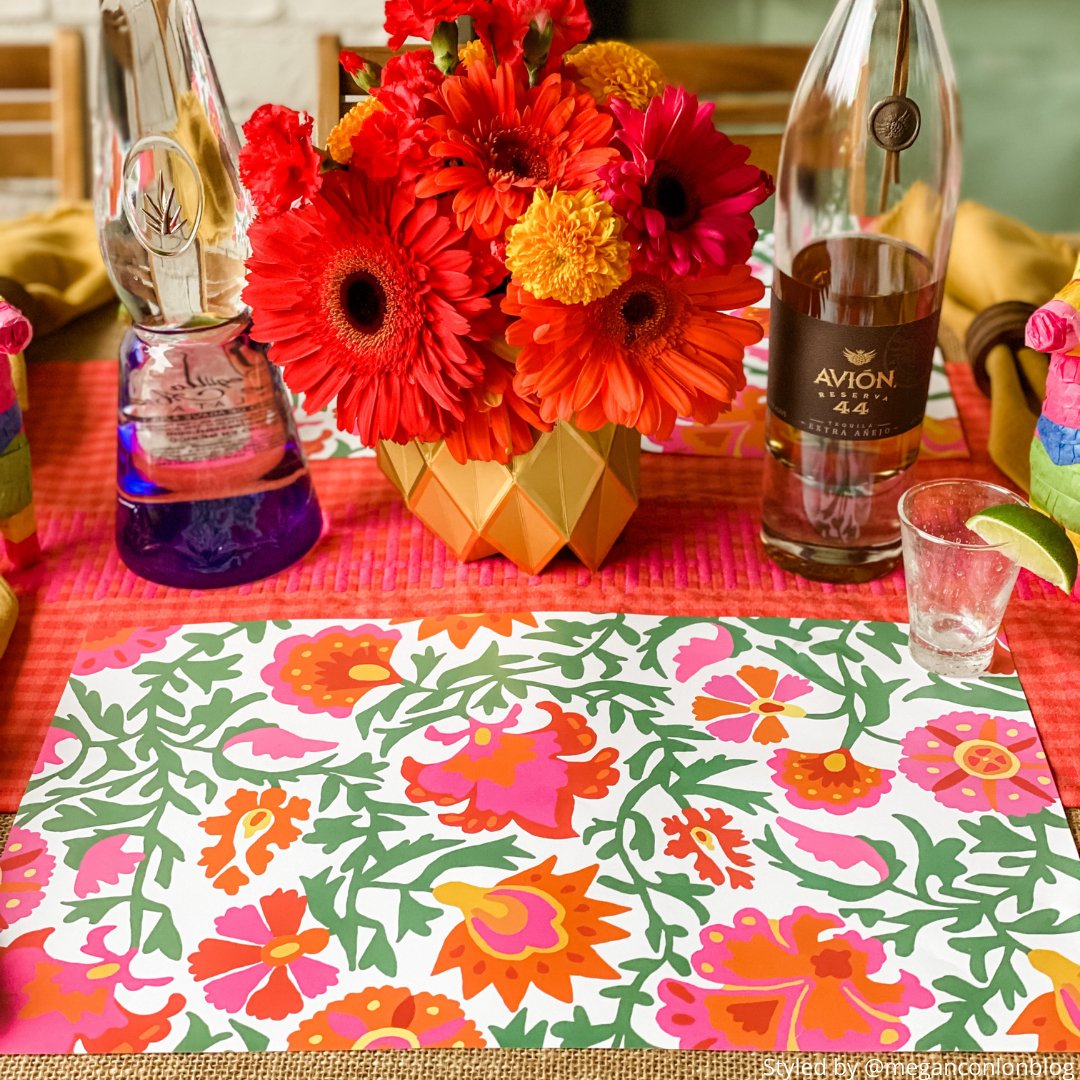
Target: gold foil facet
(574, 489)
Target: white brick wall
(264, 50)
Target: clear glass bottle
(866, 195)
(213, 488)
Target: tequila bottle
(866, 194)
(213, 488)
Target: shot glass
(957, 585)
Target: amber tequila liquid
(851, 346)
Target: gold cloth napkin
(996, 259)
(50, 266)
(9, 613)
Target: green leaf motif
(254, 1041)
(517, 1035)
(198, 1037)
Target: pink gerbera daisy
(685, 188)
(503, 140)
(372, 296)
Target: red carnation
(278, 164)
(418, 18)
(407, 79)
(504, 24)
(352, 62)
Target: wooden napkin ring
(1001, 324)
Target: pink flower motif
(15, 330)
(778, 985)
(25, 869)
(839, 848)
(49, 756)
(685, 188)
(700, 652)
(752, 702)
(267, 949)
(104, 863)
(332, 671)
(507, 776)
(120, 649)
(276, 743)
(34, 981)
(975, 762)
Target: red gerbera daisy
(685, 188)
(654, 349)
(374, 297)
(506, 140)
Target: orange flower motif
(1054, 1017)
(534, 928)
(705, 836)
(253, 823)
(780, 984)
(332, 671)
(754, 702)
(267, 950)
(387, 1018)
(515, 776)
(461, 629)
(834, 781)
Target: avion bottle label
(849, 382)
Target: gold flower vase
(573, 489)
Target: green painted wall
(1017, 64)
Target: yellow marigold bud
(339, 141)
(472, 52)
(568, 248)
(614, 69)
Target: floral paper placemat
(537, 830)
(739, 433)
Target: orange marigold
(610, 69)
(461, 629)
(339, 143)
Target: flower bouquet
(509, 262)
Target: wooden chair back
(751, 85)
(43, 113)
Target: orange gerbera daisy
(654, 349)
(461, 629)
(388, 1018)
(255, 821)
(505, 140)
(1054, 1016)
(535, 928)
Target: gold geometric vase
(573, 489)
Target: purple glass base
(214, 543)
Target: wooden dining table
(692, 548)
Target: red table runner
(692, 548)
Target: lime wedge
(1036, 542)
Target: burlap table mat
(536, 1064)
